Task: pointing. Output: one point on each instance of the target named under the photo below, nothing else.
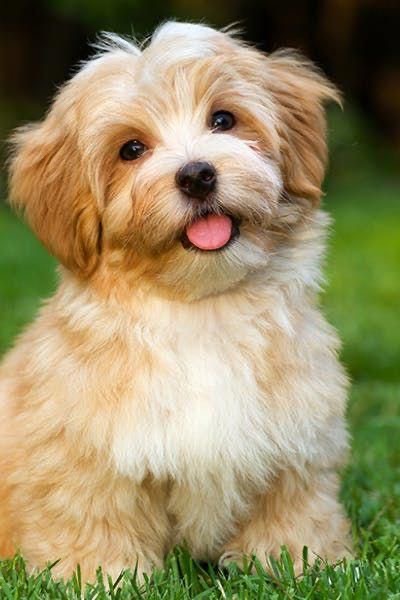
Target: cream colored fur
(162, 395)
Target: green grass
(362, 300)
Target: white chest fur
(195, 416)
(196, 408)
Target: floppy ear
(47, 183)
(300, 92)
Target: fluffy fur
(165, 395)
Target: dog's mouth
(210, 232)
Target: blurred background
(357, 43)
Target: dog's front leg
(110, 522)
(296, 512)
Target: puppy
(181, 386)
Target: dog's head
(177, 163)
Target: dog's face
(178, 163)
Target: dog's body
(172, 394)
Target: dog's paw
(230, 556)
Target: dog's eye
(222, 120)
(132, 150)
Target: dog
(181, 386)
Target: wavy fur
(164, 395)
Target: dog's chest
(194, 410)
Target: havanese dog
(181, 386)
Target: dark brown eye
(222, 120)
(132, 150)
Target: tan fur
(162, 395)
(312, 517)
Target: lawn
(363, 301)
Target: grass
(362, 300)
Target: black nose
(196, 179)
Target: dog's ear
(47, 183)
(300, 92)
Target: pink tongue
(211, 232)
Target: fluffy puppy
(181, 386)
